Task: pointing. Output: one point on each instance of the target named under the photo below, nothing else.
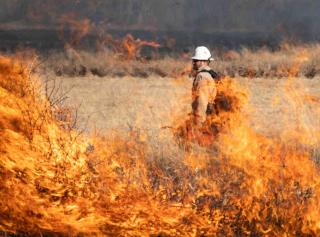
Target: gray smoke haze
(191, 15)
(299, 18)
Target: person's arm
(201, 100)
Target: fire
(39, 162)
(127, 48)
(55, 180)
(133, 46)
(78, 28)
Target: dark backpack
(215, 76)
(214, 108)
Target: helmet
(202, 53)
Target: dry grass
(300, 61)
(146, 180)
(297, 60)
(144, 106)
(127, 95)
(152, 103)
(74, 63)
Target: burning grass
(56, 181)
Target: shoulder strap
(213, 74)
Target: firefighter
(204, 92)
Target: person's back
(203, 94)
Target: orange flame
(127, 47)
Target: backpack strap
(215, 76)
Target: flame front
(58, 181)
(127, 48)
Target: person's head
(202, 57)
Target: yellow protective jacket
(204, 92)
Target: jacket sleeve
(201, 100)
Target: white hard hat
(202, 53)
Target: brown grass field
(125, 98)
(112, 92)
(120, 103)
(153, 97)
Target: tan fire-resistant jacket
(204, 92)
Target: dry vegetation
(115, 93)
(296, 60)
(131, 178)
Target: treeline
(285, 16)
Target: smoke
(293, 18)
